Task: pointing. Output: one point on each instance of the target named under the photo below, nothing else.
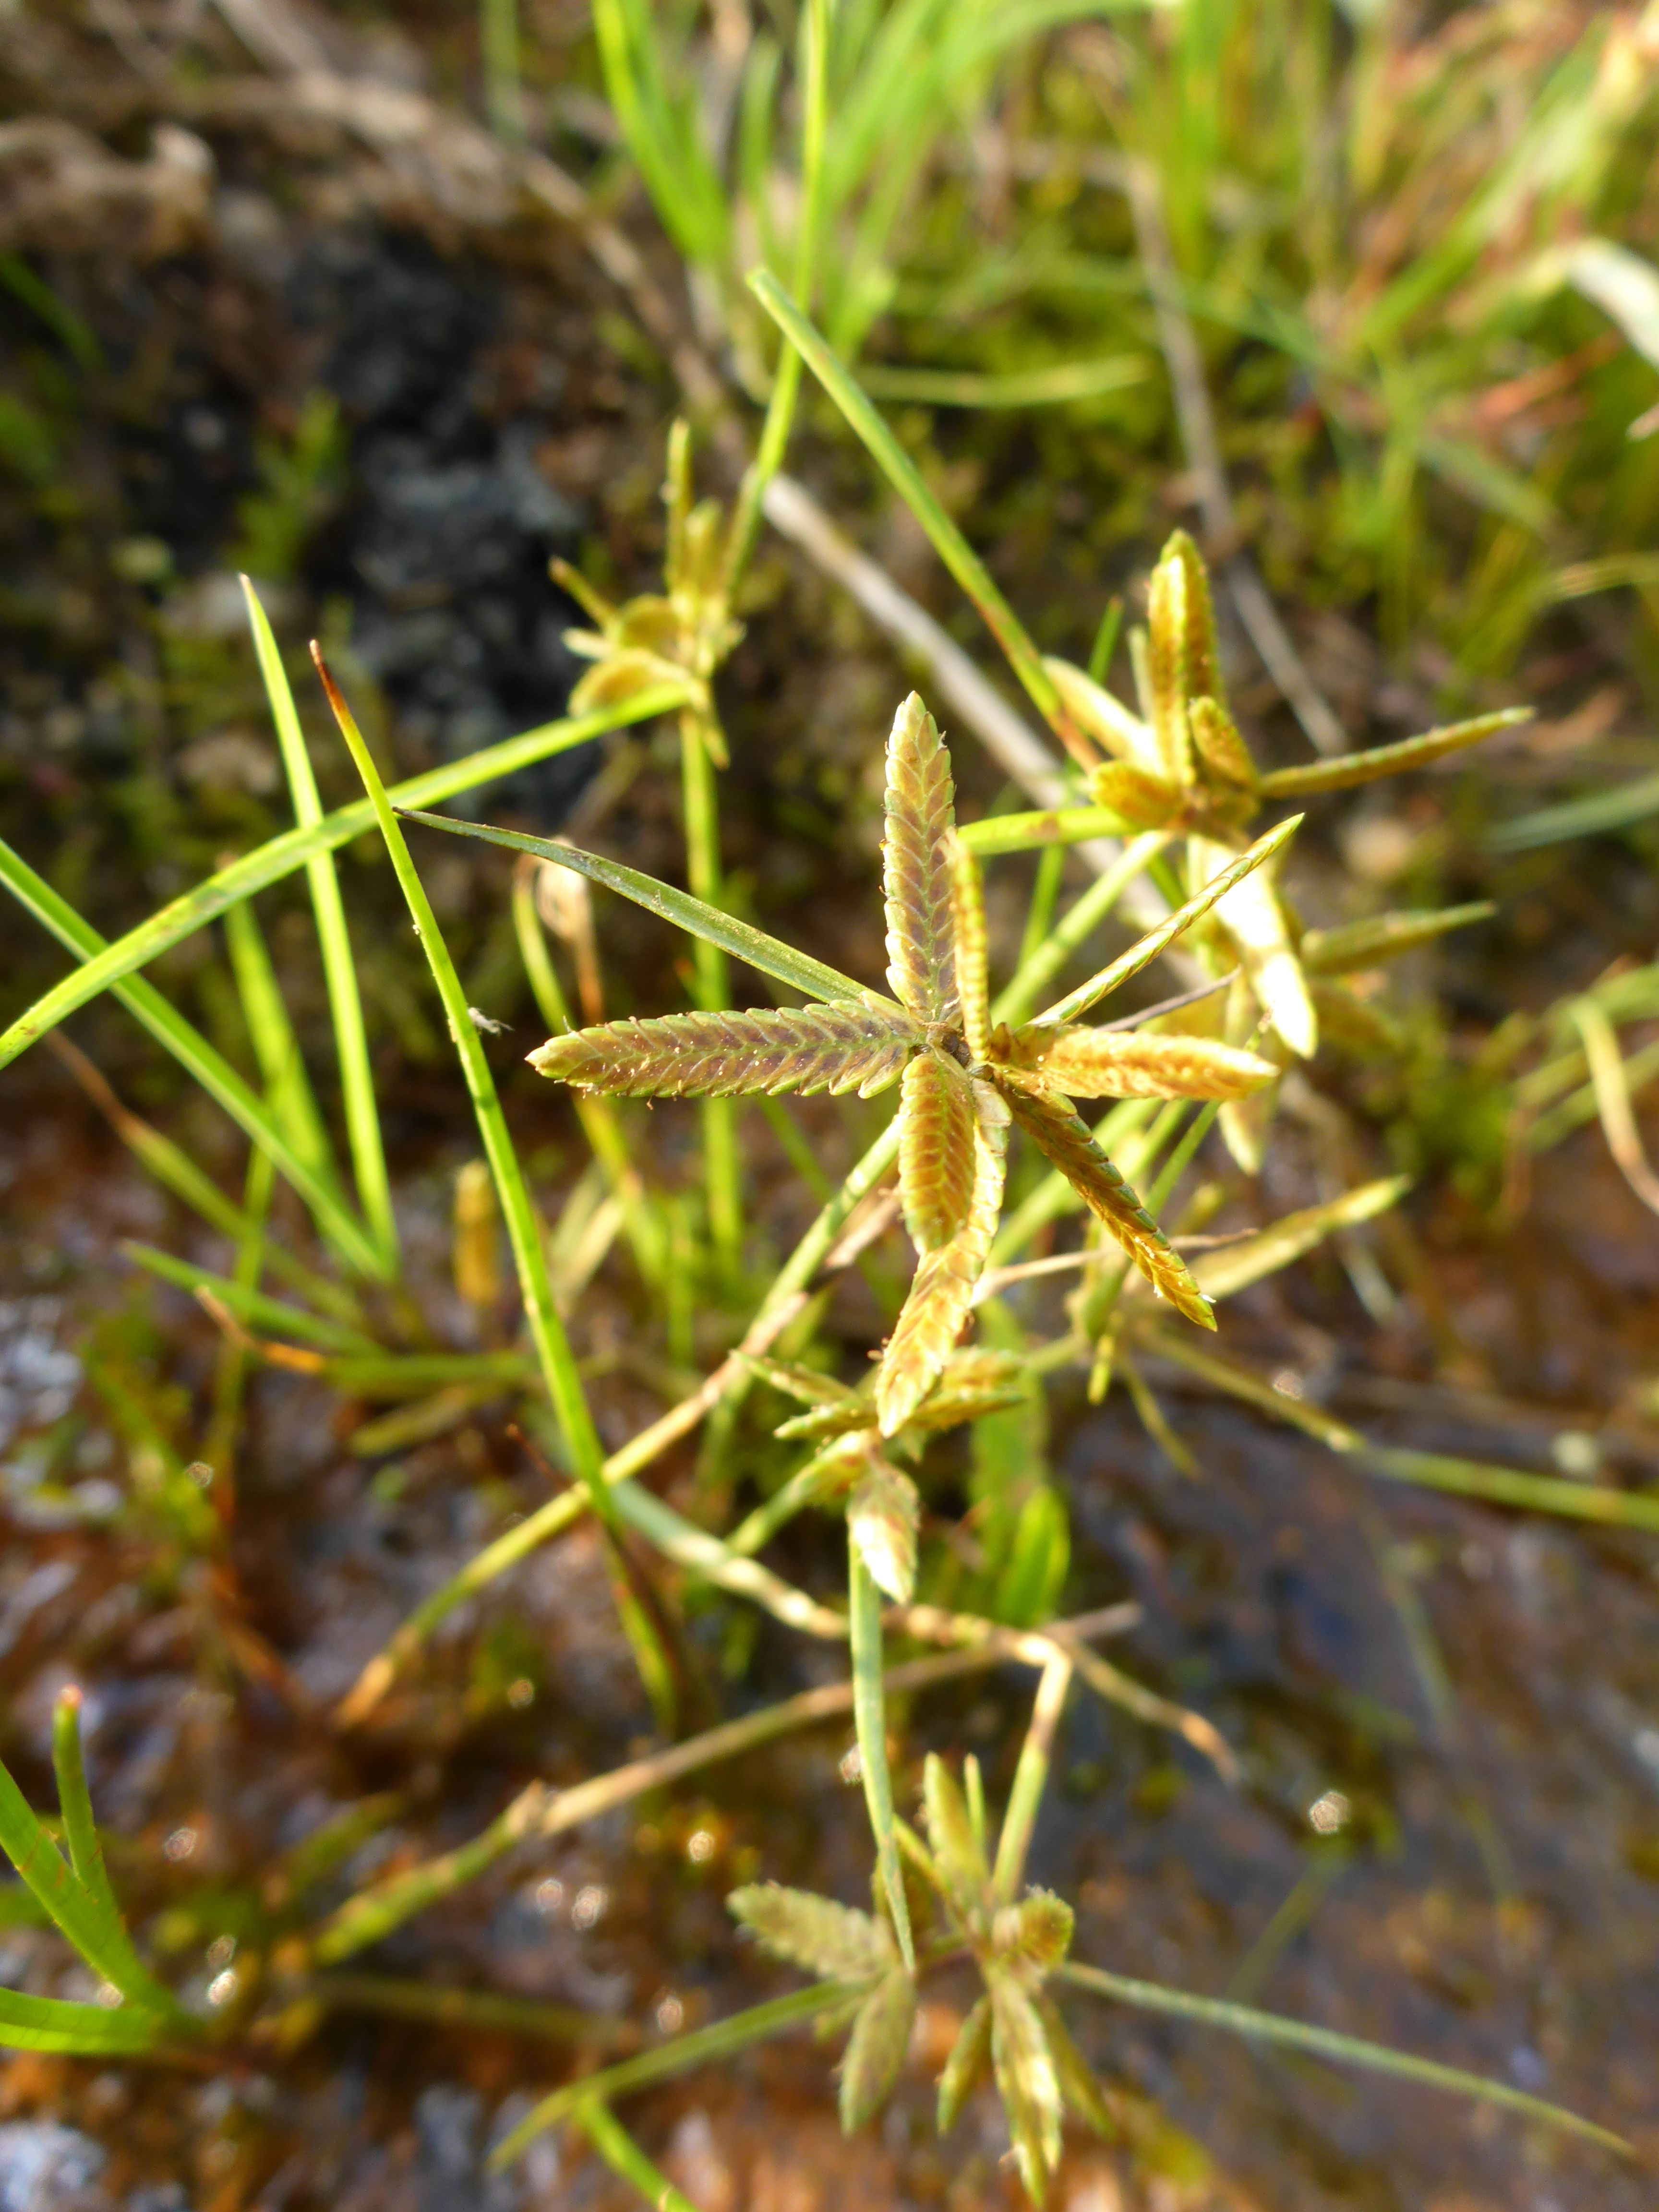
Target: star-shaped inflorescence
(963, 1081)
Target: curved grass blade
(198, 1058)
(1347, 769)
(900, 471)
(104, 964)
(753, 946)
(704, 2046)
(870, 1720)
(1344, 2050)
(1147, 948)
(362, 1116)
(276, 1047)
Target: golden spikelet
(967, 918)
(1168, 606)
(1086, 1063)
(1225, 757)
(1064, 1137)
(884, 1516)
(804, 1048)
(915, 874)
(942, 1291)
(936, 1150)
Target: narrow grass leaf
(105, 964)
(87, 2030)
(767, 954)
(363, 1116)
(1147, 948)
(553, 1351)
(1042, 826)
(257, 1308)
(1222, 1273)
(1326, 2043)
(1360, 944)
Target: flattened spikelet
(1146, 800)
(1202, 666)
(876, 2048)
(1027, 2083)
(1086, 1063)
(915, 873)
(720, 1055)
(936, 1150)
(1064, 1137)
(967, 918)
(884, 1514)
(815, 1932)
(943, 1289)
(1226, 756)
(1167, 611)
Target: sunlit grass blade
(1326, 2043)
(1223, 1272)
(255, 1307)
(753, 946)
(86, 2031)
(552, 1347)
(870, 1719)
(703, 2046)
(1506, 1486)
(89, 1916)
(906, 479)
(276, 1047)
(1347, 769)
(363, 1116)
(104, 964)
(198, 1060)
(1020, 387)
(1358, 945)
(1147, 948)
(626, 2159)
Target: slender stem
(1325, 2043)
(624, 2157)
(498, 28)
(722, 1180)
(1030, 1777)
(443, 2005)
(870, 1716)
(723, 2039)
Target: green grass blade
(1326, 2043)
(552, 1347)
(105, 964)
(276, 1047)
(363, 1116)
(90, 1921)
(625, 2159)
(254, 1306)
(753, 946)
(87, 2030)
(198, 1060)
(1147, 948)
(1591, 816)
(869, 1719)
(1026, 387)
(704, 2046)
(86, 1857)
(906, 479)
